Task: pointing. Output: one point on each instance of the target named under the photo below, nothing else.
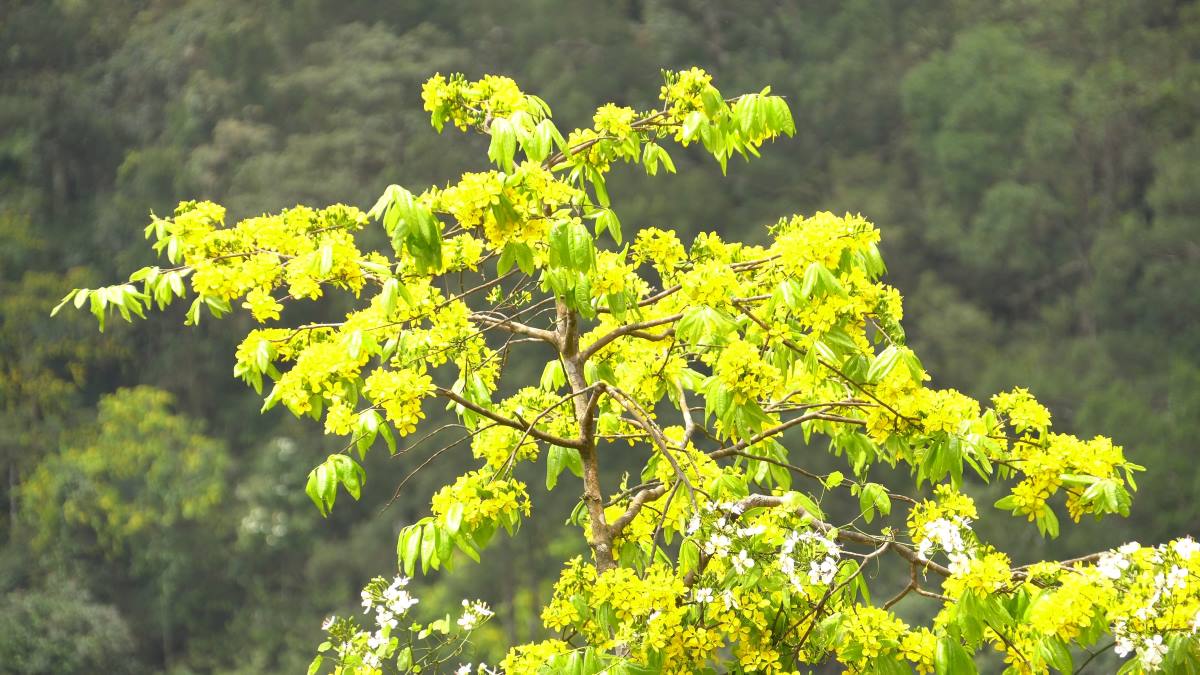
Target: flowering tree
(699, 359)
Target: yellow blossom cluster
(986, 572)
(519, 208)
(1022, 409)
(532, 657)
(468, 104)
(614, 120)
(710, 283)
(947, 503)
(1045, 463)
(823, 238)
(660, 248)
(683, 92)
(612, 274)
(741, 368)
(867, 634)
(483, 500)
(300, 247)
(399, 393)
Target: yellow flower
(262, 305)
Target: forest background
(1033, 166)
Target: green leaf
(572, 246)
(559, 458)
(454, 517)
(541, 142)
(553, 376)
(326, 259)
(503, 145)
(1008, 503)
(704, 325)
(411, 537)
(321, 487)
(313, 489)
(600, 185)
(872, 498)
(404, 659)
(464, 544)
(389, 296)
(691, 125)
(67, 297)
(1054, 652)
(428, 547)
(608, 221)
(444, 546)
(1047, 522)
(388, 438)
(519, 253)
(799, 500)
(883, 364)
(951, 658)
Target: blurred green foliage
(1033, 167)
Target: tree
(690, 369)
(143, 488)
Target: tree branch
(626, 329)
(514, 327)
(780, 428)
(508, 421)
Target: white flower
(1175, 579)
(751, 531)
(1152, 652)
(730, 600)
(1112, 565)
(473, 613)
(464, 669)
(943, 533)
(789, 542)
(832, 548)
(960, 564)
(367, 600)
(923, 549)
(822, 573)
(787, 564)
(398, 600)
(328, 622)
(718, 545)
(703, 595)
(742, 561)
(372, 660)
(735, 508)
(1185, 547)
(386, 618)
(1124, 646)
(693, 524)
(1196, 622)
(1130, 548)
(376, 640)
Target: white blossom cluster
(473, 614)
(1170, 582)
(389, 603)
(806, 557)
(822, 554)
(945, 534)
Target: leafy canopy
(695, 358)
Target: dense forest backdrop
(1034, 167)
